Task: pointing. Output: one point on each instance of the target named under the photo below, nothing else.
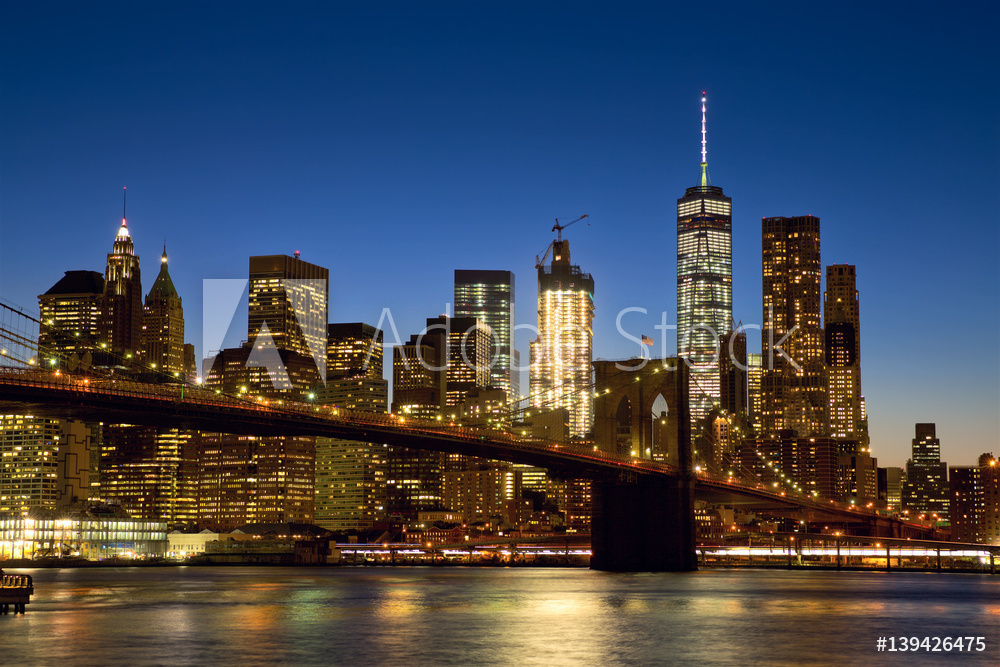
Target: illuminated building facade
(71, 314)
(704, 284)
(975, 502)
(489, 296)
(247, 479)
(288, 307)
(95, 532)
(468, 355)
(560, 372)
(419, 376)
(44, 463)
(811, 464)
(793, 388)
(29, 463)
(479, 495)
(755, 373)
(163, 326)
(926, 490)
(353, 349)
(122, 317)
(351, 475)
(153, 475)
(842, 335)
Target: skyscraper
(71, 314)
(793, 386)
(842, 333)
(353, 350)
(468, 348)
(489, 295)
(288, 306)
(926, 490)
(163, 325)
(122, 318)
(704, 283)
(560, 372)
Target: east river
(484, 616)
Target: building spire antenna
(124, 194)
(704, 144)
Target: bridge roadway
(86, 398)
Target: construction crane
(558, 229)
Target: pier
(15, 593)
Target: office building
(560, 372)
(704, 284)
(811, 464)
(793, 385)
(419, 375)
(926, 492)
(163, 326)
(755, 373)
(468, 349)
(288, 308)
(121, 328)
(489, 296)
(152, 474)
(351, 474)
(44, 463)
(353, 350)
(71, 314)
(975, 502)
(248, 479)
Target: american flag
(646, 340)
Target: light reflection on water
(461, 616)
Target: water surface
(492, 616)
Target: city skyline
(410, 187)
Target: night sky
(397, 143)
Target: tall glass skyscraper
(704, 283)
(489, 295)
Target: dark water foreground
(477, 616)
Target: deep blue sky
(395, 144)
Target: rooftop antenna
(124, 193)
(704, 144)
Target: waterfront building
(44, 463)
(248, 479)
(926, 491)
(975, 502)
(163, 326)
(480, 494)
(151, 473)
(793, 387)
(489, 296)
(560, 371)
(704, 284)
(858, 473)
(90, 531)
